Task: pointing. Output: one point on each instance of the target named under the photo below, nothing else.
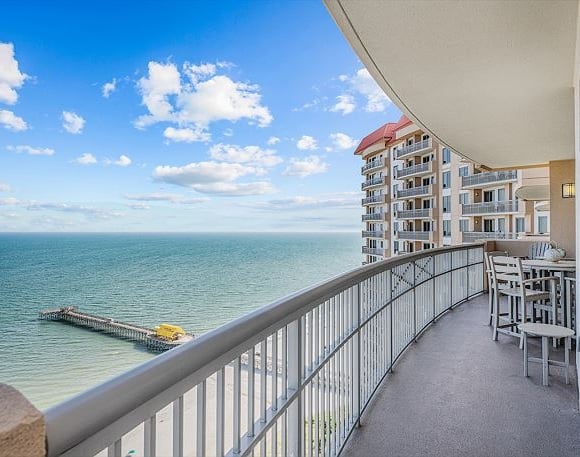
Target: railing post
(391, 318)
(295, 420)
(356, 351)
(415, 301)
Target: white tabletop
(553, 331)
(562, 265)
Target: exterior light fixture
(568, 190)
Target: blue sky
(181, 116)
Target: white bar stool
(547, 331)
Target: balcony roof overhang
(491, 80)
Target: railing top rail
(82, 416)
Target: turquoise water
(197, 281)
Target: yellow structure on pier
(169, 332)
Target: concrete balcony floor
(458, 393)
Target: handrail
(507, 206)
(101, 416)
(424, 144)
(413, 169)
(489, 177)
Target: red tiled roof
(384, 133)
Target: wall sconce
(568, 190)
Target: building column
(22, 430)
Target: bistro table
(560, 269)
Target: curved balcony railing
(413, 148)
(372, 165)
(374, 199)
(372, 182)
(413, 170)
(415, 192)
(510, 206)
(373, 217)
(291, 378)
(492, 177)
(421, 213)
(373, 233)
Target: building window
(542, 224)
(446, 155)
(463, 171)
(446, 228)
(488, 225)
(520, 224)
(396, 247)
(447, 203)
(464, 225)
(446, 179)
(464, 198)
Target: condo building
(420, 195)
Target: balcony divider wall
(289, 379)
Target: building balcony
(373, 251)
(414, 149)
(480, 180)
(471, 237)
(373, 233)
(415, 235)
(374, 217)
(423, 213)
(374, 199)
(475, 209)
(372, 182)
(413, 192)
(470, 384)
(372, 165)
(414, 170)
(202, 398)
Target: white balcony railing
(510, 206)
(373, 164)
(373, 217)
(470, 237)
(422, 213)
(373, 233)
(492, 177)
(414, 170)
(374, 199)
(289, 379)
(373, 251)
(413, 148)
(414, 235)
(372, 182)
(414, 192)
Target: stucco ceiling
(492, 80)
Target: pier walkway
(113, 327)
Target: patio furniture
(547, 331)
(537, 250)
(508, 280)
(570, 301)
(490, 287)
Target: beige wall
(562, 210)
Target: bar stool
(547, 331)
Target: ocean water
(197, 281)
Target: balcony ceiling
(491, 80)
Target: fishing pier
(158, 339)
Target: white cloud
(228, 132)
(109, 88)
(10, 201)
(307, 143)
(214, 178)
(139, 206)
(30, 150)
(363, 84)
(306, 203)
(273, 140)
(88, 211)
(165, 197)
(72, 122)
(252, 155)
(186, 135)
(342, 141)
(5, 187)
(307, 166)
(11, 78)
(345, 104)
(86, 159)
(122, 161)
(203, 97)
(12, 122)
